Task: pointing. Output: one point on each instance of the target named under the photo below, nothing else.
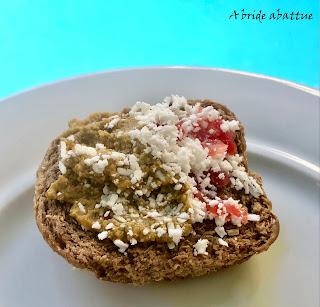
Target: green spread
(98, 181)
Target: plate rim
(248, 77)
(294, 85)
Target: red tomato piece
(232, 148)
(216, 126)
(202, 135)
(218, 182)
(218, 136)
(231, 209)
(228, 139)
(216, 148)
(213, 209)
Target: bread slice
(146, 262)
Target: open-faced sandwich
(156, 192)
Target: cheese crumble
(200, 248)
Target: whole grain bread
(146, 262)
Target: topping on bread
(154, 177)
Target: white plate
(282, 121)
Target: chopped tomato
(228, 139)
(219, 182)
(216, 126)
(209, 132)
(202, 135)
(216, 148)
(231, 209)
(213, 209)
(232, 148)
(228, 212)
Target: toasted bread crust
(146, 262)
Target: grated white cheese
(240, 178)
(109, 200)
(62, 167)
(183, 217)
(223, 242)
(121, 245)
(229, 125)
(100, 146)
(120, 219)
(253, 217)
(145, 231)
(153, 214)
(200, 248)
(133, 241)
(103, 235)
(91, 161)
(198, 211)
(175, 234)
(160, 231)
(220, 231)
(115, 119)
(100, 166)
(71, 138)
(96, 225)
(84, 150)
(81, 208)
(63, 150)
(117, 209)
(109, 226)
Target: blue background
(42, 41)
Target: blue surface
(42, 41)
